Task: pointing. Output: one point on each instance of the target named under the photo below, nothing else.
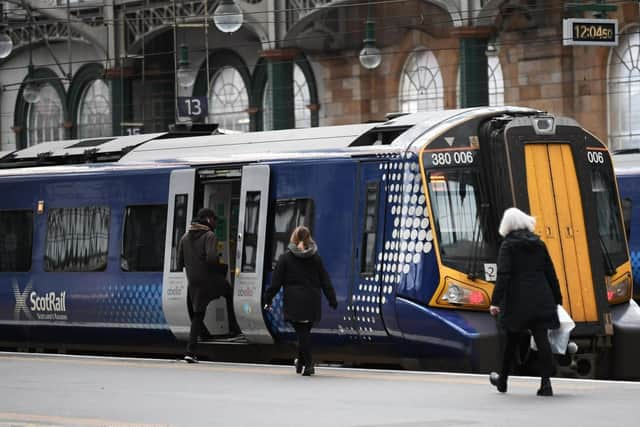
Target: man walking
(197, 253)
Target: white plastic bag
(559, 338)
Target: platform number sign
(130, 128)
(196, 107)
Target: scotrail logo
(48, 306)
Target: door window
(179, 226)
(250, 236)
(369, 232)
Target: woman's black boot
(299, 365)
(545, 387)
(499, 381)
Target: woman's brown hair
(301, 234)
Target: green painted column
(474, 83)
(280, 75)
(121, 111)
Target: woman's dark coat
(302, 275)
(527, 289)
(198, 254)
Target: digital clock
(590, 32)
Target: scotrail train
(405, 213)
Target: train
(627, 170)
(404, 211)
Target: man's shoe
(496, 380)
(308, 371)
(299, 365)
(190, 359)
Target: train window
(251, 221)
(143, 238)
(77, 239)
(458, 219)
(289, 214)
(369, 232)
(179, 227)
(608, 215)
(16, 229)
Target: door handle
(570, 231)
(549, 232)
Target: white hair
(514, 219)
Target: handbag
(559, 338)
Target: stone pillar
(474, 83)
(280, 75)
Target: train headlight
(619, 291)
(461, 294)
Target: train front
(476, 165)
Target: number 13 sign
(193, 106)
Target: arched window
(421, 83)
(624, 91)
(45, 118)
(94, 114)
(496, 81)
(301, 97)
(229, 100)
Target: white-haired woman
(525, 295)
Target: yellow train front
(560, 173)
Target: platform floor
(62, 390)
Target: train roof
(398, 134)
(627, 162)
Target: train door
(365, 306)
(174, 281)
(554, 199)
(220, 191)
(250, 253)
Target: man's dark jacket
(527, 289)
(197, 252)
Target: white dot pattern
(410, 240)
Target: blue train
(627, 168)
(405, 213)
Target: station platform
(64, 390)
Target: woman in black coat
(301, 272)
(526, 294)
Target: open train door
(250, 253)
(174, 281)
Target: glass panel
(421, 86)
(624, 88)
(289, 214)
(251, 222)
(16, 229)
(77, 239)
(301, 99)
(46, 117)
(608, 214)
(369, 232)
(458, 218)
(144, 238)
(496, 81)
(229, 101)
(179, 226)
(94, 114)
